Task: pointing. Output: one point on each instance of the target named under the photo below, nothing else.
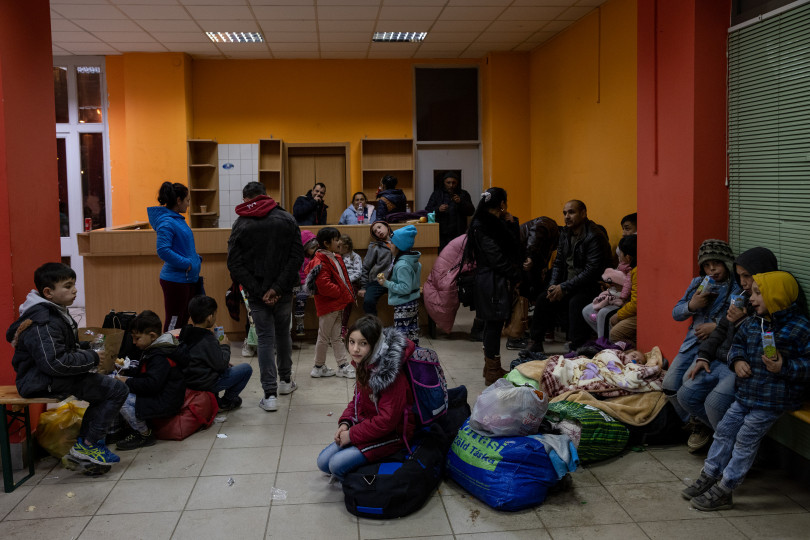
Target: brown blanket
(635, 409)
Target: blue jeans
(374, 292)
(674, 377)
(340, 461)
(233, 381)
(128, 412)
(736, 441)
(273, 337)
(709, 395)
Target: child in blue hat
(403, 284)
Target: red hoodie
(258, 206)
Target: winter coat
(306, 236)
(710, 314)
(378, 259)
(406, 275)
(46, 346)
(157, 382)
(264, 249)
(440, 289)
(592, 255)
(349, 216)
(629, 309)
(308, 211)
(540, 237)
(453, 221)
(354, 266)
(379, 414)
(332, 293)
(204, 358)
(394, 196)
(763, 390)
(498, 257)
(175, 246)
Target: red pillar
(682, 196)
(29, 200)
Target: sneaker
(699, 486)
(95, 453)
(716, 498)
(346, 370)
(516, 344)
(226, 405)
(322, 371)
(701, 436)
(270, 403)
(248, 350)
(136, 440)
(285, 388)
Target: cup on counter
(203, 208)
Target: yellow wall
(583, 117)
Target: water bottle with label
(361, 213)
(408, 207)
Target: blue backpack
(429, 386)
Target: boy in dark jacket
(156, 388)
(49, 361)
(208, 358)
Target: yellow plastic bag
(58, 428)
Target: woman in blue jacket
(180, 275)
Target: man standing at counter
(264, 255)
(310, 209)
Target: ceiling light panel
(235, 37)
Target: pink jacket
(306, 236)
(440, 289)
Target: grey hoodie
(378, 259)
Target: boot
(493, 370)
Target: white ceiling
(309, 28)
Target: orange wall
(583, 117)
(149, 121)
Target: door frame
(335, 148)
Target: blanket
(609, 373)
(634, 410)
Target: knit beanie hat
(779, 290)
(716, 250)
(404, 238)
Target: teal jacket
(403, 284)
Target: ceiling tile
(451, 37)
(473, 53)
(592, 3)
(181, 37)
(291, 55)
(531, 13)
(375, 3)
(228, 48)
(54, 2)
(575, 13)
(515, 26)
(85, 11)
(556, 26)
(291, 37)
(155, 12)
(299, 47)
(390, 54)
(493, 46)
(403, 26)
(346, 26)
(490, 3)
(205, 2)
(284, 12)
(441, 46)
(394, 47)
(229, 13)
(525, 47)
(335, 13)
(168, 26)
(124, 37)
(470, 14)
(63, 25)
(344, 47)
(139, 47)
(72, 37)
(89, 48)
(505, 37)
(288, 26)
(228, 26)
(55, 15)
(147, 2)
(248, 55)
(542, 36)
(93, 25)
(193, 48)
(281, 2)
(459, 26)
(409, 13)
(435, 54)
(357, 37)
(409, 3)
(343, 55)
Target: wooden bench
(15, 407)
(792, 431)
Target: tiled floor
(181, 489)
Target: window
(446, 104)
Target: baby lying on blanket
(609, 372)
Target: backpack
(429, 386)
(198, 412)
(122, 320)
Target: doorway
(433, 160)
(310, 163)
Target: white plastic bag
(506, 410)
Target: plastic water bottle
(408, 208)
(361, 213)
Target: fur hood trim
(309, 282)
(386, 361)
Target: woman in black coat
(493, 245)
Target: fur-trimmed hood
(386, 360)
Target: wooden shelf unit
(388, 156)
(203, 182)
(271, 167)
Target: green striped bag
(602, 435)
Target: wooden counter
(122, 269)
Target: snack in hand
(381, 276)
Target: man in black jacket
(264, 256)
(583, 253)
(452, 206)
(310, 209)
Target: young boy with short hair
(207, 366)
(769, 382)
(156, 388)
(50, 361)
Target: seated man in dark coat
(310, 209)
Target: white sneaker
(269, 403)
(346, 370)
(322, 371)
(285, 388)
(248, 350)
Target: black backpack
(122, 320)
(402, 483)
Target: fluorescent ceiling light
(410, 37)
(235, 37)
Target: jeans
(674, 377)
(128, 412)
(602, 322)
(340, 461)
(273, 336)
(492, 338)
(329, 334)
(736, 441)
(374, 291)
(104, 395)
(709, 395)
(233, 381)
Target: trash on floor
(230, 481)
(221, 436)
(278, 494)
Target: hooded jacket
(204, 360)
(264, 249)
(378, 259)
(175, 245)
(396, 197)
(592, 255)
(787, 389)
(349, 216)
(379, 414)
(306, 236)
(46, 346)
(406, 276)
(453, 221)
(308, 211)
(441, 289)
(334, 289)
(713, 313)
(157, 382)
(540, 238)
(498, 255)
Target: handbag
(519, 322)
(122, 320)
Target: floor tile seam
(446, 513)
(278, 464)
(742, 532)
(31, 488)
(551, 533)
(617, 501)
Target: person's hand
(456, 198)
(555, 293)
(702, 331)
(224, 340)
(508, 217)
(381, 280)
(443, 207)
(528, 263)
(771, 364)
(614, 320)
(341, 428)
(699, 300)
(270, 297)
(734, 314)
(742, 369)
(121, 378)
(361, 293)
(699, 366)
(343, 439)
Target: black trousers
(105, 396)
(545, 313)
